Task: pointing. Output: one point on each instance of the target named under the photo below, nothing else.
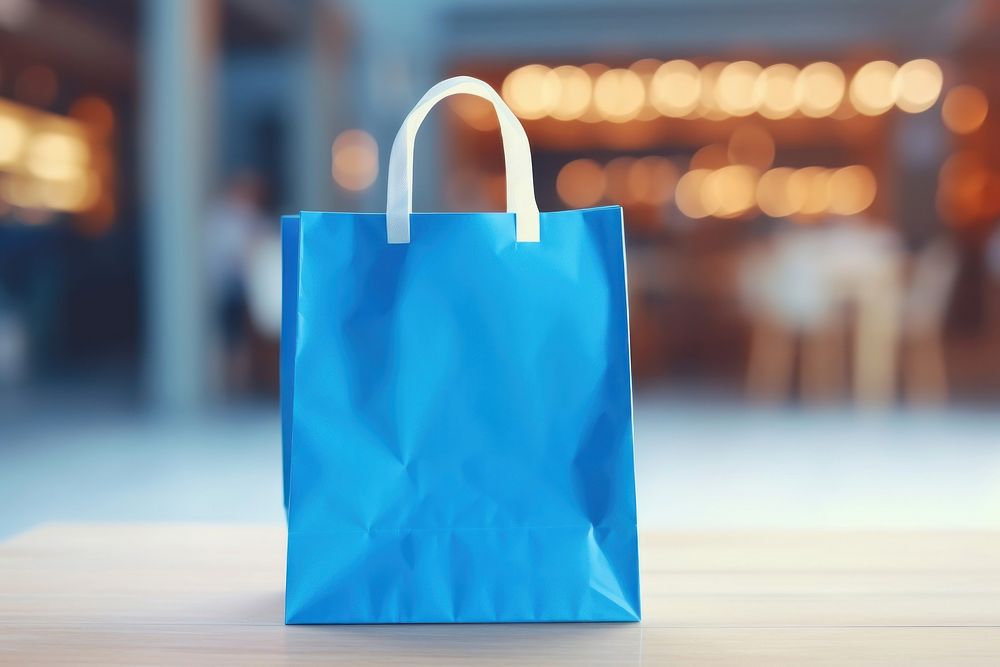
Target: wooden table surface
(212, 594)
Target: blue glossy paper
(457, 420)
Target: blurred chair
(923, 310)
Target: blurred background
(812, 215)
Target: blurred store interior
(812, 207)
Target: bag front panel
(459, 398)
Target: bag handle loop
(516, 151)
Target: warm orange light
(475, 111)
(809, 186)
(851, 190)
(776, 93)
(646, 66)
(355, 160)
(96, 114)
(752, 145)
(594, 71)
(645, 69)
(819, 89)
(991, 197)
(917, 85)
(712, 156)
(13, 137)
(619, 95)
(961, 165)
(22, 192)
(575, 89)
(962, 184)
(688, 193)
(616, 179)
(708, 105)
(51, 160)
(78, 194)
(774, 196)
(962, 202)
(580, 183)
(734, 90)
(872, 88)
(651, 180)
(57, 156)
(530, 91)
(716, 91)
(729, 192)
(964, 110)
(675, 88)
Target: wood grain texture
(211, 594)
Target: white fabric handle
(516, 152)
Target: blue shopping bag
(456, 407)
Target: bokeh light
(675, 88)
(718, 90)
(478, 113)
(712, 156)
(581, 183)
(21, 191)
(575, 90)
(851, 190)
(729, 191)
(962, 187)
(917, 85)
(619, 95)
(736, 86)
(872, 88)
(752, 145)
(651, 180)
(616, 180)
(13, 136)
(355, 160)
(708, 105)
(809, 188)
(773, 195)
(819, 89)
(530, 92)
(56, 156)
(687, 195)
(96, 113)
(776, 92)
(964, 110)
(645, 69)
(594, 71)
(77, 194)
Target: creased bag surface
(457, 420)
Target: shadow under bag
(456, 407)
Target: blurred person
(993, 258)
(787, 297)
(264, 287)
(797, 287)
(929, 286)
(992, 307)
(236, 223)
(993, 253)
(264, 310)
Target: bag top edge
(449, 213)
